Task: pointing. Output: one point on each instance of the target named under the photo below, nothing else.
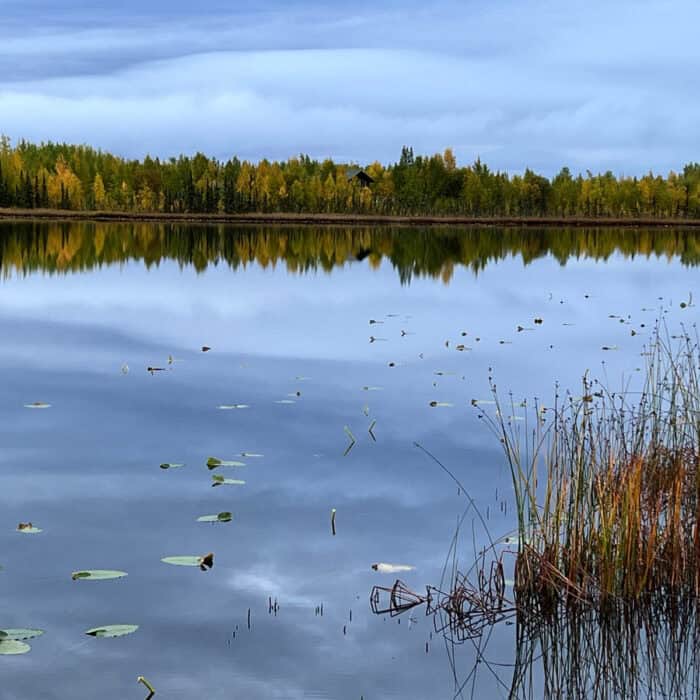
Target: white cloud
(526, 84)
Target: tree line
(79, 177)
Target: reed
(607, 486)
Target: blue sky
(530, 83)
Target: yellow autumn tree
(64, 186)
(98, 192)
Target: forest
(82, 178)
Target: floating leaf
(214, 462)
(205, 348)
(232, 406)
(182, 560)
(251, 454)
(223, 517)
(98, 574)
(220, 480)
(437, 404)
(37, 404)
(10, 647)
(384, 568)
(202, 562)
(28, 529)
(171, 465)
(19, 634)
(112, 630)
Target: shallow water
(79, 301)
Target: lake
(315, 336)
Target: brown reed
(607, 486)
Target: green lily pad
(182, 560)
(19, 634)
(224, 517)
(112, 630)
(204, 561)
(10, 647)
(214, 462)
(98, 574)
(171, 465)
(219, 480)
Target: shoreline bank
(338, 219)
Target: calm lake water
(288, 314)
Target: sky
(518, 83)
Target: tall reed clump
(607, 486)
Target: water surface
(284, 311)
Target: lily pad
(182, 560)
(112, 630)
(384, 568)
(223, 517)
(214, 462)
(19, 634)
(10, 647)
(220, 480)
(98, 574)
(207, 560)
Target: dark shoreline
(338, 219)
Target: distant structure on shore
(359, 175)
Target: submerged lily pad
(10, 647)
(19, 634)
(214, 462)
(112, 630)
(98, 574)
(219, 480)
(171, 465)
(223, 517)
